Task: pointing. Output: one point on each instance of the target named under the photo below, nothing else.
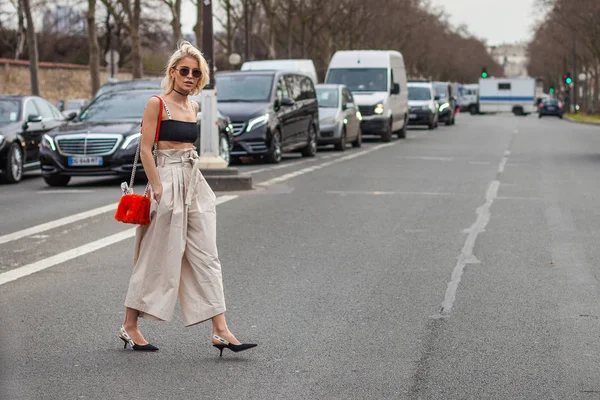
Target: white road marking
(466, 255)
(291, 164)
(294, 174)
(376, 193)
(479, 162)
(66, 191)
(60, 258)
(56, 223)
(427, 158)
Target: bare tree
(32, 47)
(175, 7)
(93, 46)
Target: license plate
(81, 161)
(412, 116)
(551, 108)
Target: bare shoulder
(195, 105)
(153, 103)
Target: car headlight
(47, 142)
(257, 122)
(444, 106)
(359, 115)
(379, 108)
(1, 139)
(131, 141)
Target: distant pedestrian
(176, 254)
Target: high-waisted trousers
(176, 254)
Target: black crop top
(177, 131)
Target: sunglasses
(184, 71)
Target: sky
(495, 21)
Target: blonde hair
(185, 49)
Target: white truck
(467, 98)
(516, 95)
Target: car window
(282, 89)
(45, 108)
(441, 90)
(30, 109)
(117, 106)
(9, 110)
(419, 93)
(294, 87)
(307, 88)
(327, 97)
(244, 88)
(346, 97)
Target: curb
(581, 122)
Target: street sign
(235, 59)
(115, 57)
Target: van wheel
(311, 147)
(57, 180)
(13, 169)
(358, 141)
(386, 136)
(402, 132)
(341, 145)
(473, 109)
(274, 154)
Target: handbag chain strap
(137, 152)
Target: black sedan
(103, 139)
(551, 107)
(23, 121)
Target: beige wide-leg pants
(176, 254)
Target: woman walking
(176, 254)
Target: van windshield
(419, 93)
(244, 88)
(441, 89)
(360, 79)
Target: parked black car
(447, 102)
(271, 112)
(103, 139)
(134, 84)
(551, 107)
(23, 121)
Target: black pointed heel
(236, 348)
(138, 347)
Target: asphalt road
(459, 263)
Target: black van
(271, 112)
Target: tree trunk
(94, 47)
(22, 33)
(198, 26)
(136, 41)
(176, 22)
(33, 50)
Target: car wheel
(358, 141)
(341, 146)
(473, 109)
(386, 136)
(560, 116)
(274, 154)
(224, 148)
(13, 170)
(311, 147)
(57, 180)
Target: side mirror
(277, 104)
(436, 98)
(34, 118)
(347, 106)
(395, 88)
(71, 116)
(286, 101)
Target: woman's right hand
(158, 191)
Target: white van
(467, 98)
(306, 67)
(377, 79)
(516, 95)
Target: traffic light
(551, 91)
(568, 79)
(484, 73)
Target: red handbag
(135, 208)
